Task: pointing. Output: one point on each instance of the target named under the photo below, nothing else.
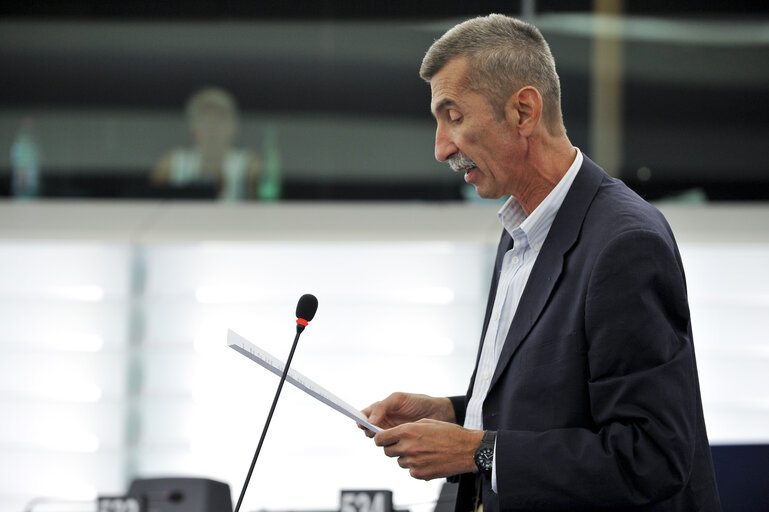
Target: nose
(444, 146)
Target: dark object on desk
(447, 498)
(182, 494)
(742, 476)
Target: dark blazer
(595, 396)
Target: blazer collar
(547, 269)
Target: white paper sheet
(256, 354)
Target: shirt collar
(534, 228)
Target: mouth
(464, 164)
(470, 173)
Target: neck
(547, 162)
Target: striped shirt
(529, 234)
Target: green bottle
(270, 180)
(25, 163)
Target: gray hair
(505, 54)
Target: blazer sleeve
(642, 393)
(460, 406)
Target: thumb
(372, 413)
(374, 418)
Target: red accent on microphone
(302, 321)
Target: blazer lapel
(547, 269)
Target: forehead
(447, 85)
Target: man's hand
(400, 408)
(431, 449)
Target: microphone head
(306, 307)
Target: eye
(454, 116)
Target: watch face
(485, 458)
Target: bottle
(25, 162)
(270, 183)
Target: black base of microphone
(299, 330)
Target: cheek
(470, 143)
(470, 137)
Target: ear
(524, 110)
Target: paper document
(256, 354)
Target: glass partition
(246, 105)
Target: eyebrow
(443, 105)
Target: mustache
(461, 162)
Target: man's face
(469, 136)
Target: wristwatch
(484, 455)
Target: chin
(485, 194)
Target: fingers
(431, 448)
(373, 416)
(366, 431)
(397, 409)
(402, 444)
(391, 436)
(367, 411)
(376, 412)
(394, 448)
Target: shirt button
(486, 375)
(495, 316)
(516, 259)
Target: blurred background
(332, 88)
(173, 169)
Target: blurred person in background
(213, 119)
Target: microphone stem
(269, 418)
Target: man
(585, 393)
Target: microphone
(305, 311)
